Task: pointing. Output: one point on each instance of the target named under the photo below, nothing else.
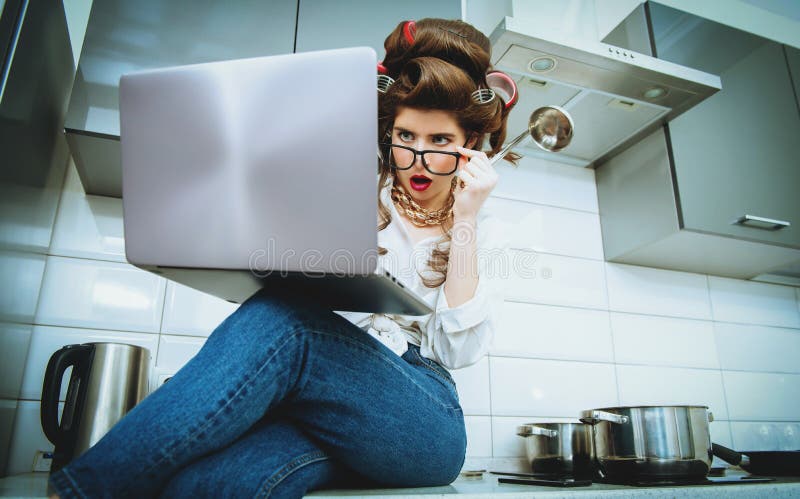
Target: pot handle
(729, 455)
(710, 417)
(594, 417)
(528, 430)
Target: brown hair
(447, 61)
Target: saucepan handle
(528, 430)
(594, 417)
(728, 455)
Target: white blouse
(454, 337)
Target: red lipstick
(420, 182)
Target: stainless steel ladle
(550, 127)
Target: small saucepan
(559, 449)
(769, 463)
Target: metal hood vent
(615, 96)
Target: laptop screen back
(266, 163)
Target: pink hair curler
(504, 86)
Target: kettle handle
(70, 355)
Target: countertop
(34, 485)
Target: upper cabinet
(715, 190)
(323, 24)
(122, 37)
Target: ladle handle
(497, 157)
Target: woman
(287, 396)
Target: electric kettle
(107, 381)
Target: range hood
(615, 96)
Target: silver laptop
(242, 174)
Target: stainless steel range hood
(614, 95)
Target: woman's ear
(473, 140)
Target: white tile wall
(103, 295)
(657, 292)
(549, 229)
(15, 340)
(549, 388)
(473, 388)
(8, 409)
(175, 351)
(22, 279)
(556, 280)
(575, 332)
(663, 341)
(551, 332)
(758, 348)
(27, 438)
(748, 302)
(547, 183)
(191, 312)
(762, 396)
(479, 436)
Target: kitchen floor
(34, 485)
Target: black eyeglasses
(436, 162)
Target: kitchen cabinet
(36, 69)
(123, 36)
(678, 198)
(322, 24)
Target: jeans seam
(425, 363)
(389, 362)
(170, 451)
(292, 466)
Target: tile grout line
(546, 205)
(645, 314)
(719, 361)
(611, 332)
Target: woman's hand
(477, 180)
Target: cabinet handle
(761, 222)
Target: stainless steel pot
(559, 449)
(651, 442)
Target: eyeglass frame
(421, 153)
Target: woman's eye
(441, 141)
(405, 136)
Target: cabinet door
(738, 153)
(323, 24)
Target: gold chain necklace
(418, 215)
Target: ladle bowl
(551, 128)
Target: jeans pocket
(434, 366)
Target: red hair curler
(409, 31)
(503, 85)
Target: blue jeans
(285, 397)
